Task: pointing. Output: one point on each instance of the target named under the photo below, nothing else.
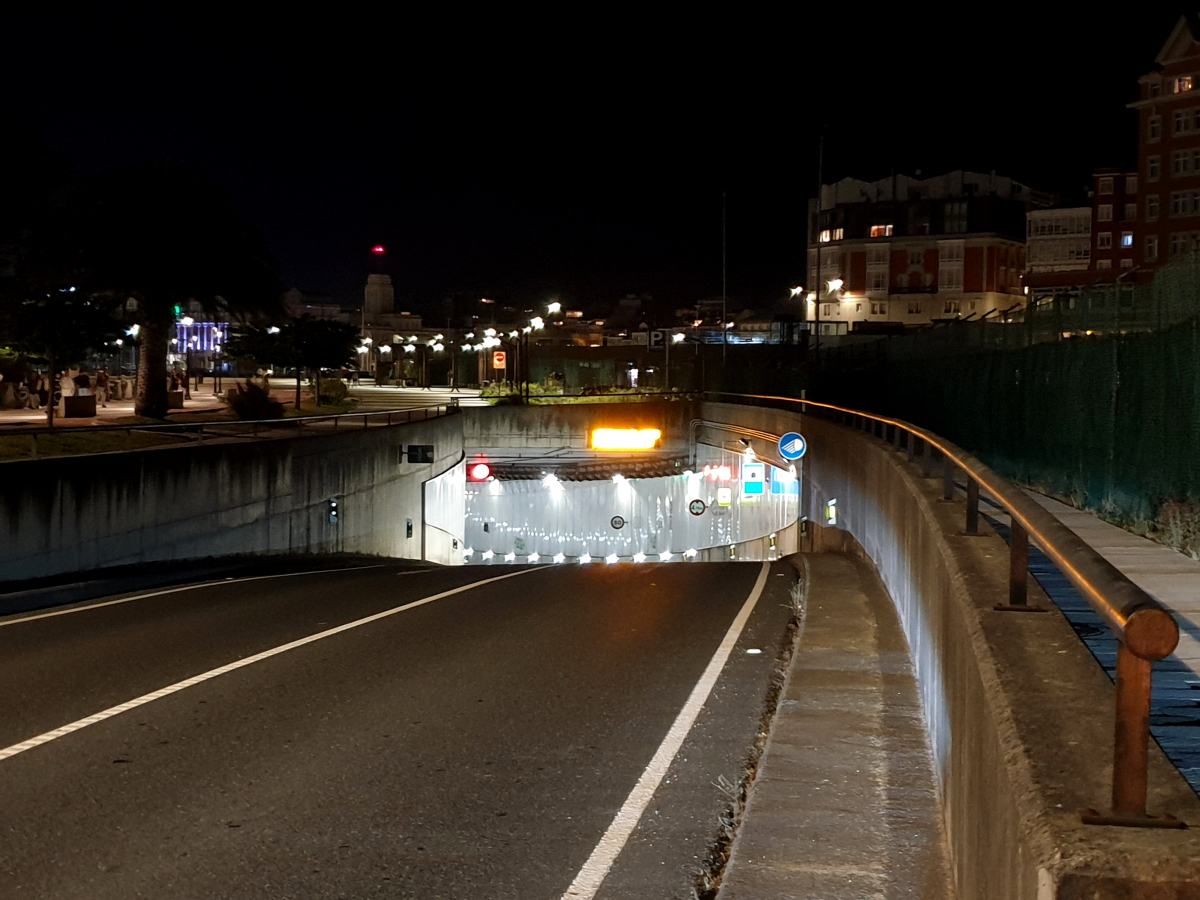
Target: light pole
(676, 338)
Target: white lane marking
(49, 736)
(594, 871)
(18, 618)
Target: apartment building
(911, 251)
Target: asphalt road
(475, 746)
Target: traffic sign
(697, 507)
(499, 359)
(792, 446)
(658, 338)
(754, 475)
(724, 496)
(617, 522)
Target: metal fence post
(1131, 752)
(947, 478)
(972, 506)
(1018, 564)
(912, 446)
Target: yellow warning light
(625, 438)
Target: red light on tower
(378, 250)
(479, 471)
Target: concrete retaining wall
(1019, 713)
(567, 427)
(76, 513)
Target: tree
(50, 305)
(266, 346)
(322, 344)
(164, 237)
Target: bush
(252, 401)
(333, 392)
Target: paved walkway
(845, 803)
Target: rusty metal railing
(198, 432)
(1145, 629)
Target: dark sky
(584, 155)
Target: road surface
(232, 740)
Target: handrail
(1144, 627)
(233, 427)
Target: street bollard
(1018, 564)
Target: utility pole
(724, 284)
(817, 235)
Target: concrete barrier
(77, 513)
(1020, 716)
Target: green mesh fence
(1110, 418)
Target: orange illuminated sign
(625, 438)
(499, 359)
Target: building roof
(959, 183)
(1182, 42)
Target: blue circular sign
(792, 446)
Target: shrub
(252, 401)
(333, 392)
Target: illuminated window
(1183, 84)
(1104, 212)
(825, 236)
(1126, 238)
(838, 234)
(1153, 167)
(1106, 186)
(1154, 129)
(1104, 240)
(881, 231)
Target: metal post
(896, 437)
(947, 478)
(926, 459)
(1131, 755)
(1018, 565)
(912, 446)
(972, 506)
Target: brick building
(907, 251)
(1169, 149)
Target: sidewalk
(203, 400)
(845, 803)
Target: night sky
(581, 156)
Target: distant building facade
(1169, 149)
(908, 251)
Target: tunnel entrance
(716, 503)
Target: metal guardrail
(198, 432)
(1145, 629)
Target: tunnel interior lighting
(610, 559)
(468, 552)
(488, 554)
(665, 556)
(625, 438)
(558, 558)
(586, 558)
(690, 554)
(639, 557)
(510, 557)
(533, 557)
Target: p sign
(499, 359)
(792, 446)
(657, 339)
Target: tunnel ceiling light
(510, 557)
(533, 557)
(665, 556)
(690, 554)
(610, 559)
(488, 554)
(586, 558)
(468, 552)
(639, 557)
(558, 557)
(625, 438)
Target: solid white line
(49, 736)
(594, 871)
(17, 618)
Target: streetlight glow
(553, 307)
